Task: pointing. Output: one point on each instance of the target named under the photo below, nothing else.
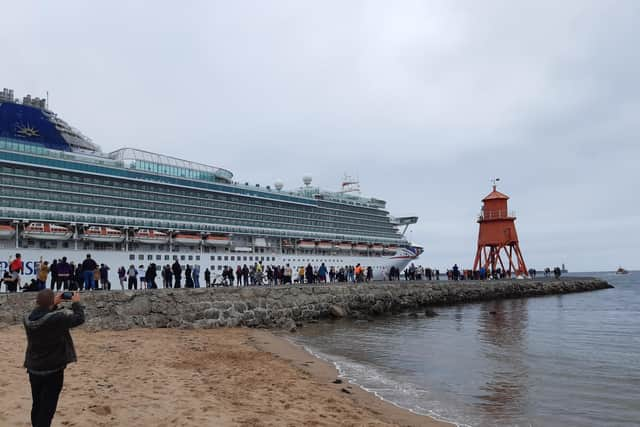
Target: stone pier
(286, 306)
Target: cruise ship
(62, 196)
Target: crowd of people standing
(88, 275)
(61, 275)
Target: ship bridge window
(132, 257)
(141, 257)
(150, 257)
(158, 257)
(166, 257)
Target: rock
(260, 315)
(211, 313)
(337, 311)
(337, 381)
(430, 313)
(378, 308)
(290, 326)
(344, 390)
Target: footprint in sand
(100, 409)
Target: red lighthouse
(498, 237)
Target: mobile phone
(67, 295)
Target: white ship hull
(116, 259)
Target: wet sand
(216, 377)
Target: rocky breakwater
(285, 306)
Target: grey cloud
(424, 101)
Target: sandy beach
(216, 377)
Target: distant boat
(564, 270)
(621, 270)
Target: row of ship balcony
(101, 234)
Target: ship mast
(350, 185)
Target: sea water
(566, 360)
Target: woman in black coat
(188, 277)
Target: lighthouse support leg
(509, 253)
(498, 258)
(477, 260)
(520, 258)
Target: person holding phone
(49, 350)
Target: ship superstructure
(62, 196)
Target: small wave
(371, 380)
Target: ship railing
(95, 158)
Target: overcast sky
(424, 101)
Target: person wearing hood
(188, 277)
(49, 350)
(207, 277)
(177, 273)
(150, 276)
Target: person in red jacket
(16, 268)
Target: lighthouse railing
(499, 214)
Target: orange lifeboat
(324, 245)
(150, 237)
(390, 250)
(7, 232)
(103, 234)
(360, 247)
(45, 231)
(187, 239)
(344, 246)
(217, 240)
(287, 244)
(306, 244)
